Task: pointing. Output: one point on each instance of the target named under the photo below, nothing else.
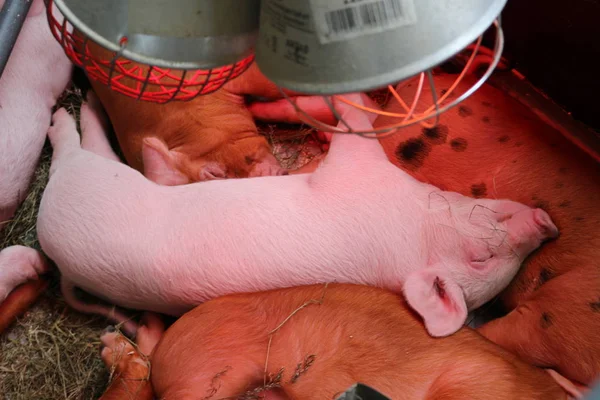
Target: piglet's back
(357, 333)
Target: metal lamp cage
(142, 82)
(477, 56)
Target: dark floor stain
(465, 111)
(486, 104)
(518, 144)
(504, 138)
(562, 170)
(559, 185)
(534, 197)
(413, 152)
(546, 320)
(485, 120)
(444, 91)
(459, 144)
(595, 306)
(437, 134)
(478, 190)
(564, 204)
(579, 219)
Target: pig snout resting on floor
(314, 342)
(357, 219)
(36, 74)
(209, 137)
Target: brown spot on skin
(413, 152)
(486, 103)
(249, 160)
(485, 120)
(504, 139)
(546, 320)
(595, 306)
(565, 204)
(544, 205)
(562, 170)
(545, 276)
(459, 144)
(464, 111)
(478, 190)
(437, 134)
(559, 185)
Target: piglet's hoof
(121, 357)
(118, 352)
(129, 368)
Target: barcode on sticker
(366, 16)
(369, 15)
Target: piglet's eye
(483, 259)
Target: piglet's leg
(19, 301)
(20, 285)
(19, 264)
(352, 147)
(130, 365)
(283, 111)
(94, 126)
(63, 136)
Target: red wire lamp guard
(139, 81)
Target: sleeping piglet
(356, 219)
(313, 342)
(36, 74)
(210, 137)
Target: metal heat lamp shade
(341, 46)
(181, 34)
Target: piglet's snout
(528, 228)
(545, 224)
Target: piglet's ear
(160, 163)
(438, 299)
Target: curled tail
(125, 323)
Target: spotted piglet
(491, 146)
